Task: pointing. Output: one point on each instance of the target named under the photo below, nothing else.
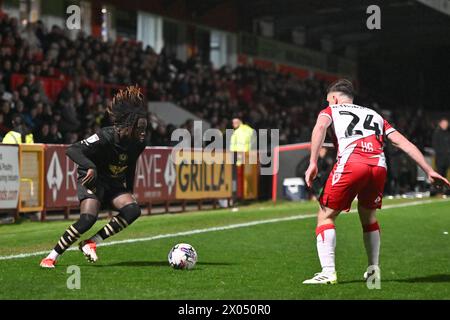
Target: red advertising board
(155, 178)
(60, 179)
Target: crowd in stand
(263, 98)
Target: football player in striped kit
(359, 134)
(106, 168)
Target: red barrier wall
(155, 178)
(60, 179)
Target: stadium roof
(403, 22)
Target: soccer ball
(182, 256)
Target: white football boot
(322, 278)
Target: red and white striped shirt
(358, 133)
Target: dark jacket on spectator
(441, 143)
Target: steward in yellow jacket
(19, 134)
(241, 139)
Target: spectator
(7, 72)
(71, 138)
(29, 36)
(270, 98)
(441, 146)
(43, 136)
(2, 84)
(241, 139)
(69, 116)
(159, 136)
(55, 136)
(6, 111)
(20, 133)
(33, 119)
(3, 128)
(241, 144)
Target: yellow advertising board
(201, 175)
(251, 186)
(31, 196)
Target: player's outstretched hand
(436, 178)
(90, 176)
(311, 174)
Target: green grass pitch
(259, 261)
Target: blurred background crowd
(261, 98)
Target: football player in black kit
(106, 167)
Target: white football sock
(372, 242)
(326, 244)
(53, 255)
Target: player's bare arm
(401, 142)
(317, 139)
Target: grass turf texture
(266, 261)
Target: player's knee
(85, 222)
(327, 213)
(130, 212)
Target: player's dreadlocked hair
(127, 107)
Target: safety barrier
(41, 178)
(9, 178)
(31, 177)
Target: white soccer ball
(182, 256)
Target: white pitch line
(228, 227)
